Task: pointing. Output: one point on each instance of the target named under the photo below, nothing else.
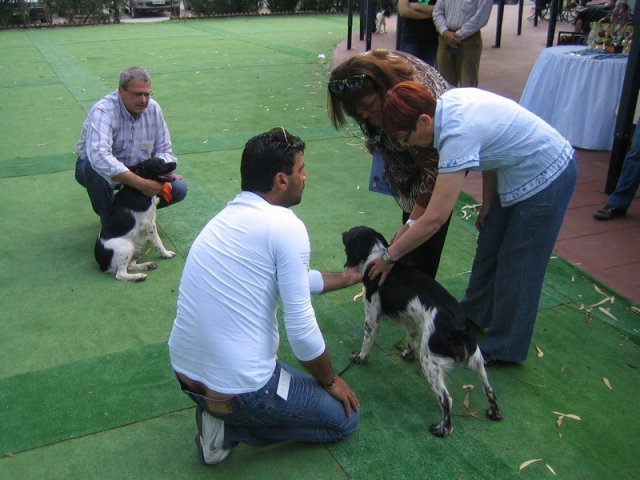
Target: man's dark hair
(267, 154)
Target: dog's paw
(168, 254)
(494, 413)
(130, 277)
(355, 357)
(439, 430)
(408, 355)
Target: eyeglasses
(140, 94)
(352, 83)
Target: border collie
(428, 313)
(132, 225)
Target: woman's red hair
(403, 104)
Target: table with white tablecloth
(577, 92)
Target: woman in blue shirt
(529, 175)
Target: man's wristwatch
(409, 223)
(386, 258)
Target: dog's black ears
(153, 168)
(358, 243)
(345, 238)
(168, 166)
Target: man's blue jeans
(101, 192)
(629, 179)
(512, 254)
(310, 413)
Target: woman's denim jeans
(310, 413)
(512, 254)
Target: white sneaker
(210, 438)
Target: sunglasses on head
(281, 130)
(352, 83)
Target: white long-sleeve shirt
(247, 258)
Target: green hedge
(223, 7)
(106, 11)
(86, 11)
(226, 7)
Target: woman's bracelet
(386, 258)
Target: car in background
(136, 7)
(27, 12)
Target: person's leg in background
(446, 61)
(469, 60)
(178, 193)
(627, 186)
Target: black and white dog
(132, 224)
(427, 311)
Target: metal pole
(553, 18)
(363, 15)
(399, 27)
(499, 23)
(371, 21)
(349, 23)
(520, 12)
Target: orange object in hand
(165, 193)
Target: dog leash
(348, 365)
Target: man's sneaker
(609, 213)
(210, 438)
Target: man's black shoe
(609, 213)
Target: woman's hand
(379, 268)
(482, 215)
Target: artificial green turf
(86, 390)
(164, 448)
